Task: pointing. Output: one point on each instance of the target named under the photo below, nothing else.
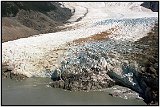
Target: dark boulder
(154, 6)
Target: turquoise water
(36, 91)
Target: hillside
(24, 19)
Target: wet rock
(122, 92)
(57, 84)
(147, 95)
(61, 84)
(143, 69)
(6, 73)
(155, 66)
(151, 5)
(153, 70)
(74, 85)
(124, 75)
(17, 76)
(56, 75)
(83, 81)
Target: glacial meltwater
(36, 91)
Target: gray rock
(123, 92)
(151, 5)
(153, 70)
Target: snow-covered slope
(29, 56)
(94, 11)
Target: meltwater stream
(36, 91)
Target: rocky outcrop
(149, 72)
(144, 73)
(154, 6)
(122, 92)
(52, 9)
(82, 81)
(7, 73)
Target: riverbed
(36, 91)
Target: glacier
(40, 55)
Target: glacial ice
(27, 56)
